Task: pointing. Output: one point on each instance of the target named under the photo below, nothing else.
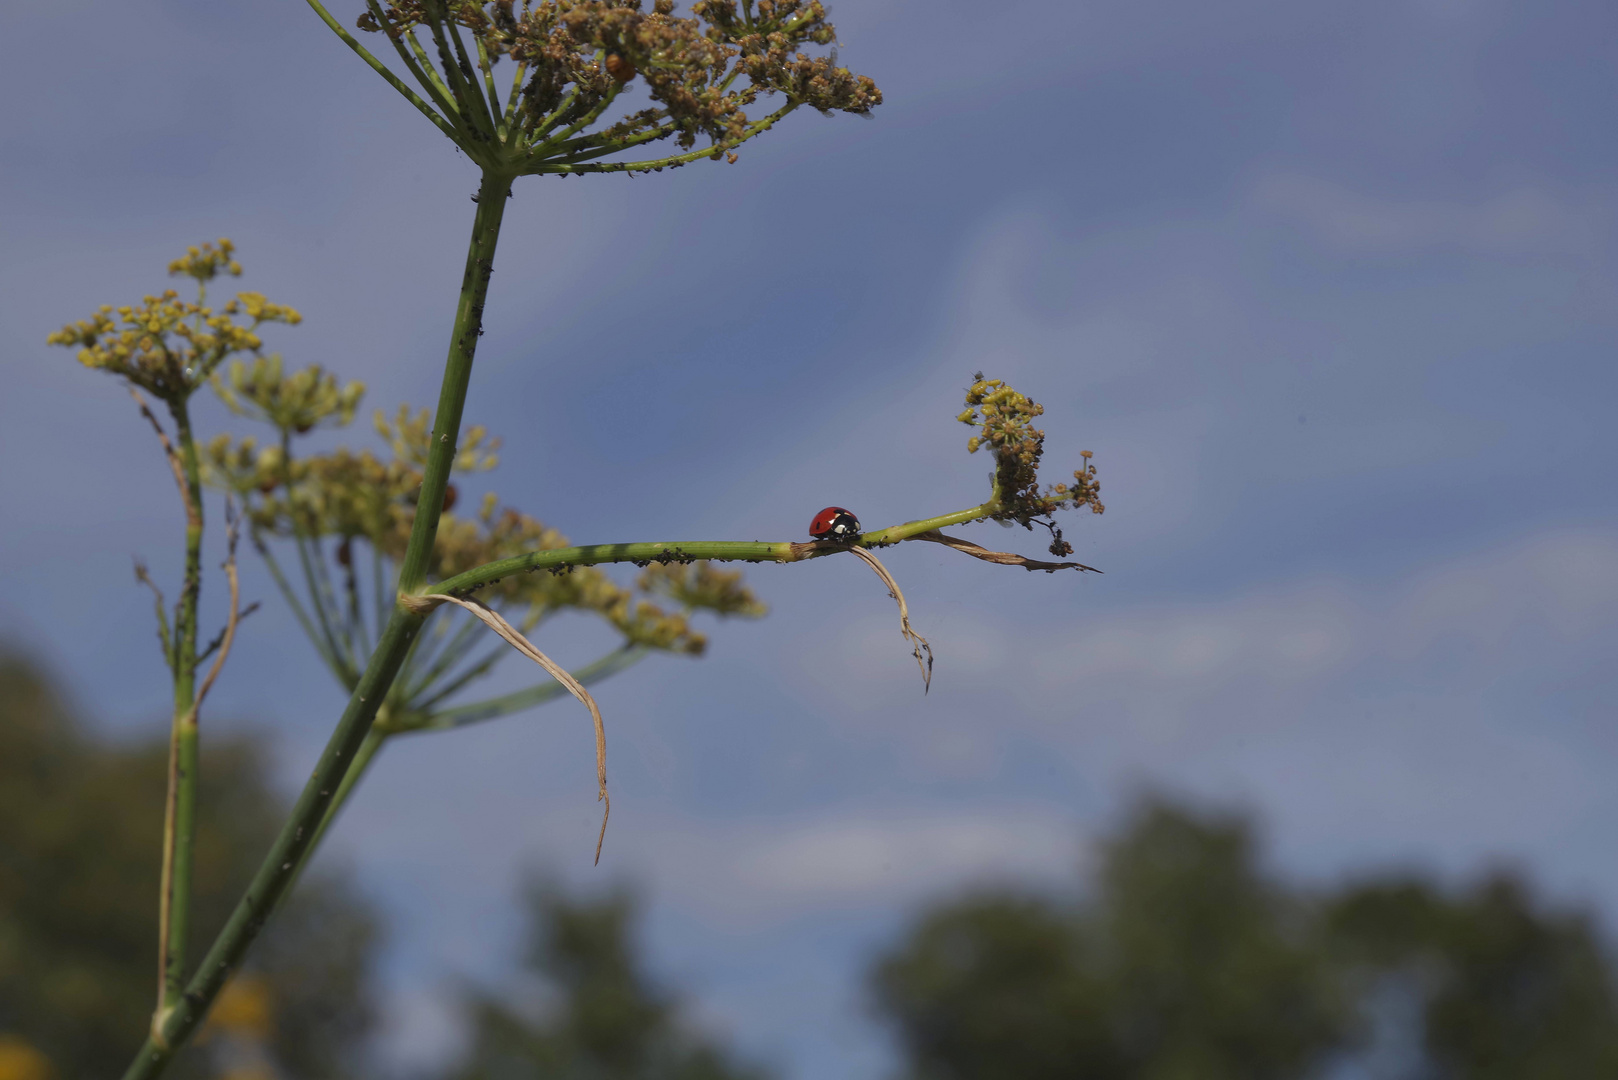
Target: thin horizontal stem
(560, 559)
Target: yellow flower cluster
(1005, 418)
(170, 346)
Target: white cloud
(1525, 221)
(764, 872)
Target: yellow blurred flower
(20, 1061)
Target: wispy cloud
(1522, 221)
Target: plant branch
(142, 576)
(218, 639)
(296, 605)
(491, 208)
(496, 622)
(382, 69)
(478, 711)
(179, 814)
(228, 636)
(278, 869)
(477, 670)
(424, 73)
(1004, 558)
(448, 653)
(558, 560)
(758, 128)
(169, 453)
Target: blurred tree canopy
(594, 1013)
(80, 824)
(1186, 963)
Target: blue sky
(1331, 291)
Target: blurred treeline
(1186, 962)
(80, 826)
(1180, 960)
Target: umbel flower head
(170, 346)
(294, 404)
(1005, 419)
(570, 61)
(355, 497)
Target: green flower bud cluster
(1005, 421)
(411, 437)
(204, 263)
(170, 346)
(702, 585)
(297, 403)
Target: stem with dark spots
(179, 817)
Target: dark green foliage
(994, 982)
(601, 1018)
(1188, 964)
(1185, 965)
(1510, 990)
(80, 831)
(1211, 971)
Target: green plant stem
(753, 130)
(492, 193)
(279, 868)
(438, 653)
(356, 771)
(291, 597)
(179, 816)
(384, 729)
(474, 672)
(560, 559)
(381, 69)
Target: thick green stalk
(179, 817)
(279, 868)
(492, 193)
(356, 770)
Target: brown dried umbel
(573, 57)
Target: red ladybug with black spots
(835, 523)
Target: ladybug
(835, 523)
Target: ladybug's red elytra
(835, 523)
